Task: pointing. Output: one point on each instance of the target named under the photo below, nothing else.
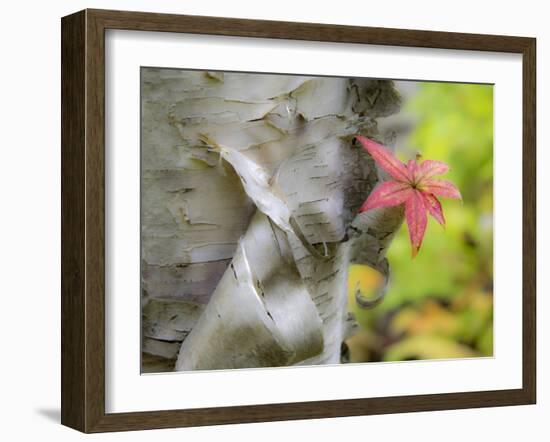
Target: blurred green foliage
(439, 305)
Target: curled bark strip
(265, 193)
(371, 302)
(260, 315)
(371, 234)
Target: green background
(440, 304)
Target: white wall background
(30, 217)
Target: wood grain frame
(83, 217)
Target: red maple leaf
(414, 185)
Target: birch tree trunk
(251, 185)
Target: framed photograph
(270, 220)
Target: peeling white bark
(220, 149)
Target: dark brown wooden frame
(83, 215)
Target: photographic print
(301, 220)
